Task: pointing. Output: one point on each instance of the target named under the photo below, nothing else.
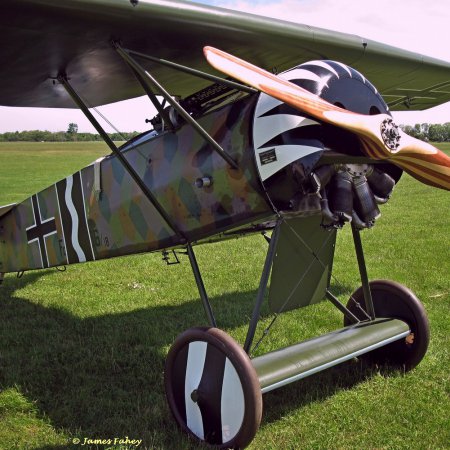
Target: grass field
(82, 352)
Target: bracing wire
(108, 122)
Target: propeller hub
(390, 134)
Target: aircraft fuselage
(100, 212)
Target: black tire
(393, 300)
(212, 388)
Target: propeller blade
(380, 137)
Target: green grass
(82, 352)
(27, 167)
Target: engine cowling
(289, 146)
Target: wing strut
(128, 167)
(194, 72)
(151, 95)
(153, 83)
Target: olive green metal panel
(302, 265)
(44, 38)
(292, 363)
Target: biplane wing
(44, 39)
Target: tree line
(71, 135)
(423, 131)
(429, 132)
(61, 136)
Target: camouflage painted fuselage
(71, 221)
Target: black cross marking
(40, 230)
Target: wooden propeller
(380, 137)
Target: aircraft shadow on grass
(103, 376)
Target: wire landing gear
(214, 389)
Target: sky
(410, 24)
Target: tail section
(31, 234)
(6, 209)
(67, 223)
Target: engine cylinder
(381, 184)
(365, 204)
(340, 196)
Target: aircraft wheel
(212, 388)
(393, 300)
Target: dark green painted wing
(44, 38)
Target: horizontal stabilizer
(6, 209)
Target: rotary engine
(352, 192)
(343, 192)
